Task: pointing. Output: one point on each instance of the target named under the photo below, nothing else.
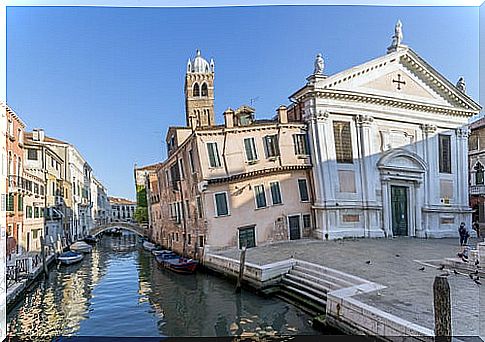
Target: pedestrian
(464, 234)
(476, 228)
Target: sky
(110, 80)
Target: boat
(70, 257)
(156, 252)
(149, 246)
(181, 265)
(81, 247)
(90, 239)
(161, 257)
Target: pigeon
(471, 275)
(368, 262)
(441, 268)
(444, 274)
(477, 262)
(422, 268)
(397, 255)
(475, 273)
(477, 281)
(455, 272)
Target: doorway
(399, 208)
(294, 225)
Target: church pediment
(400, 75)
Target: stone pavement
(396, 264)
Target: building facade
(389, 147)
(122, 209)
(242, 183)
(15, 181)
(476, 166)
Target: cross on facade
(399, 82)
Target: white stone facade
(408, 171)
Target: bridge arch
(139, 230)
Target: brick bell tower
(199, 92)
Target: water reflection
(119, 290)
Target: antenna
(254, 99)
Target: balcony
(477, 189)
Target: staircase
(306, 285)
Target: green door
(247, 237)
(399, 207)
(294, 223)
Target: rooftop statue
(319, 65)
(397, 38)
(461, 84)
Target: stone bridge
(132, 227)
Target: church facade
(389, 146)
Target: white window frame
(255, 150)
(281, 194)
(255, 196)
(227, 203)
(208, 155)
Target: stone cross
(399, 82)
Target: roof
(120, 200)
(29, 135)
(150, 167)
(477, 124)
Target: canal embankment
(365, 286)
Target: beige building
(34, 206)
(476, 166)
(122, 209)
(243, 183)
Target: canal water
(119, 290)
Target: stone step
(325, 276)
(350, 279)
(327, 284)
(306, 288)
(289, 297)
(304, 297)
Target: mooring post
(42, 253)
(442, 308)
(242, 260)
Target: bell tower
(199, 92)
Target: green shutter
(276, 193)
(303, 190)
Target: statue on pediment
(319, 65)
(461, 85)
(397, 38)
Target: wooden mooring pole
(242, 260)
(442, 308)
(42, 253)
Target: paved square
(409, 292)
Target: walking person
(464, 235)
(476, 228)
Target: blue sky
(110, 80)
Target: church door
(399, 207)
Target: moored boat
(181, 265)
(70, 257)
(81, 247)
(90, 239)
(149, 246)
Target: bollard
(242, 260)
(442, 308)
(42, 252)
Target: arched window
(204, 91)
(196, 89)
(478, 173)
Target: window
(214, 160)
(247, 237)
(191, 161)
(177, 237)
(343, 142)
(271, 146)
(307, 221)
(201, 241)
(250, 148)
(187, 207)
(301, 144)
(478, 173)
(189, 240)
(36, 212)
(444, 153)
(275, 192)
(196, 89)
(20, 203)
(303, 190)
(260, 196)
(221, 204)
(199, 206)
(10, 204)
(204, 91)
(473, 142)
(28, 214)
(181, 165)
(32, 154)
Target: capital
(462, 132)
(428, 128)
(364, 119)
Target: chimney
(282, 114)
(229, 118)
(38, 134)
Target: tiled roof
(29, 136)
(119, 200)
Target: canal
(119, 290)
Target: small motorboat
(149, 246)
(181, 265)
(90, 239)
(70, 257)
(81, 247)
(156, 252)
